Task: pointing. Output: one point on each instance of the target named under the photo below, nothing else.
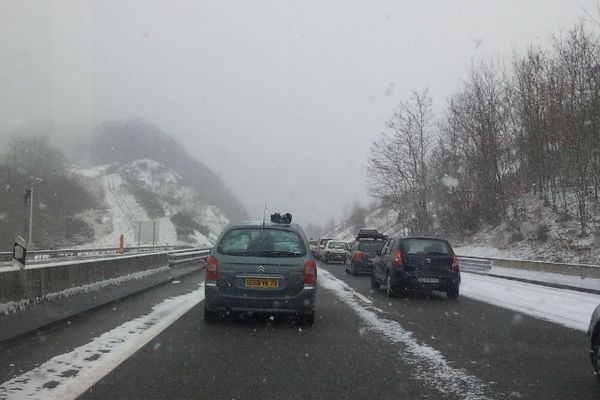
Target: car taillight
(358, 255)
(212, 268)
(310, 272)
(398, 262)
(455, 263)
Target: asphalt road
(377, 348)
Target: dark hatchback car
(265, 268)
(594, 334)
(416, 263)
(363, 252)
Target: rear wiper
(438, 253)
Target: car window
(262, 242)
(372, 246)
(337, 245)
(426, 246)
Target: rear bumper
(303, 302)
(335, 257)
(411, 280)
(362, 266)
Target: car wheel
(353, 269)
(325, 260)
(346, 268)
(210, 316)
(596, 355)
(308, 319)
(374, 283)
(453, 292)
(390, 290)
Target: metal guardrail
(180, 257)
(92, 252)
(475, 263)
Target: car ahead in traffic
(261, 267)
(335, 250)
(314, 246)
(363, 251)
(416, 263)
(321, 248)
(594, 334)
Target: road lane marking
(69, 375)
(428, 365)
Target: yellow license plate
(262, 283)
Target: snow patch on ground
(69, 375)
(565, 307)
(429, 365)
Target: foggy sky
(281, 98)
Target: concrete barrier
(41, 295)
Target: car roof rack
(366, 233)
(285, 219)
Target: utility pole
(33, 180)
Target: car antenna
(265, 215)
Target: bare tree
(398, 165)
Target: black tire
(389, 288)
(308, 319)
(453, 292)
(596, 354)
(325, 260)
(210, 316)
(375, 285)
(353, 269)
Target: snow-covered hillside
(539, 233)
(145, 190)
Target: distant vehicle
(416, 263)
(261, 267)
(321, 248)
(594, 334)
(363, 251)
(314, 246)
(335, 250)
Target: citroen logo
(260, 269)
(428, 260)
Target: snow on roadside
(549, 277)
(565, 307)
(68, 375)
(429, 365)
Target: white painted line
(69, 375)
(427, 364)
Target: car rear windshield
(370, 246)
(261, 242)
(324, 241)
(338, 245)
(426, 246)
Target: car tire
(353, 269)
(375, 285)
(210, 316)
(596, 355)
(308, 319)
(325, 260)
(390, 290)
(453, 292)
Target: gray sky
(281, 98)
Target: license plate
(262, 283)
(429, 280)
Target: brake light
(455, 263)
(398, 262)
(310, 272)
(358, 255)
(212, 268)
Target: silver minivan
(261, 267)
